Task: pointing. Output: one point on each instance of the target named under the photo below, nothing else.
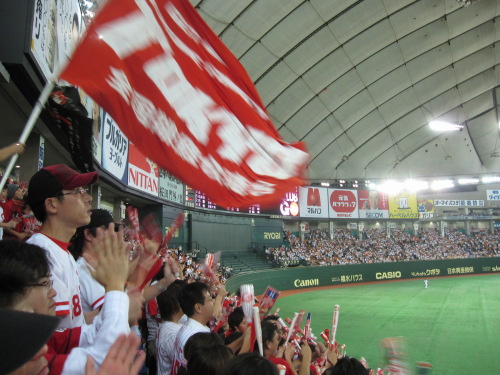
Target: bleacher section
(240, 262)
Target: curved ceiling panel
(359, 81)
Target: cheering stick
(151, 228)
(281, 369)
(258, 330)
(247, 298)
(277, 311)
(300, 318)
(335, 322)
(307, 327)
(133, 217)
(179, 220)
(292, 327)
(280, 320)
(325, 335)
(208, 268)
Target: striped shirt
(187, 330)
(167, 333)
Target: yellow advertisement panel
(403, 206)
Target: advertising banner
(56, 28)
(343, 203)
(458, 203)
(142, 173)
(493, 195)
(425, 208)
(288, 206)
(114, 149)
(313, 202)
(403, 206)
(373, 204)
(171, 188)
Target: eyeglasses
(46, 284)
(82, 191)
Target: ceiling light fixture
(442, 184)
(468, 181)
(444, 126)
(489, 180)
(415, 185)
(466, 2)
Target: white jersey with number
(187, 330)
(167, 332)
(91, 291)
(65, 277)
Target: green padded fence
(306, 277)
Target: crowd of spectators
(318, 249)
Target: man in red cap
(59, 199)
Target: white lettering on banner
(142, 180)
(141, 29)
(158, 122)
(209, 68)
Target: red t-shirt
(281, 361)
(60, 345)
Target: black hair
(21, 266)
(201, 340)
(76, 243)
(39, 208)
(269, 329)
(250, 364)
(235, 318)
(191, 295)
(271, 317)
(168, 301)
(347, 366)
(209, 360)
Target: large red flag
(185, 101)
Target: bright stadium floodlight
(390, 187)
(415, 185)
(442, 184)
(372, 186)
(326, 184)
(489, 180)
(468, 181)
(444, 126)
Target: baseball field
(454, 324)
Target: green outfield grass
(454, 324)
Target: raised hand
(111, 259)
(122, 358)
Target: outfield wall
(306, 277)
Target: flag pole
(37, 109)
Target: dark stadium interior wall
(221, 232)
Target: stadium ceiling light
(372, 186)
(442, 184)
(415, 185)
(325, 184)
(489, 180)
(444, 126)
(391, 187)
(468, 181)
